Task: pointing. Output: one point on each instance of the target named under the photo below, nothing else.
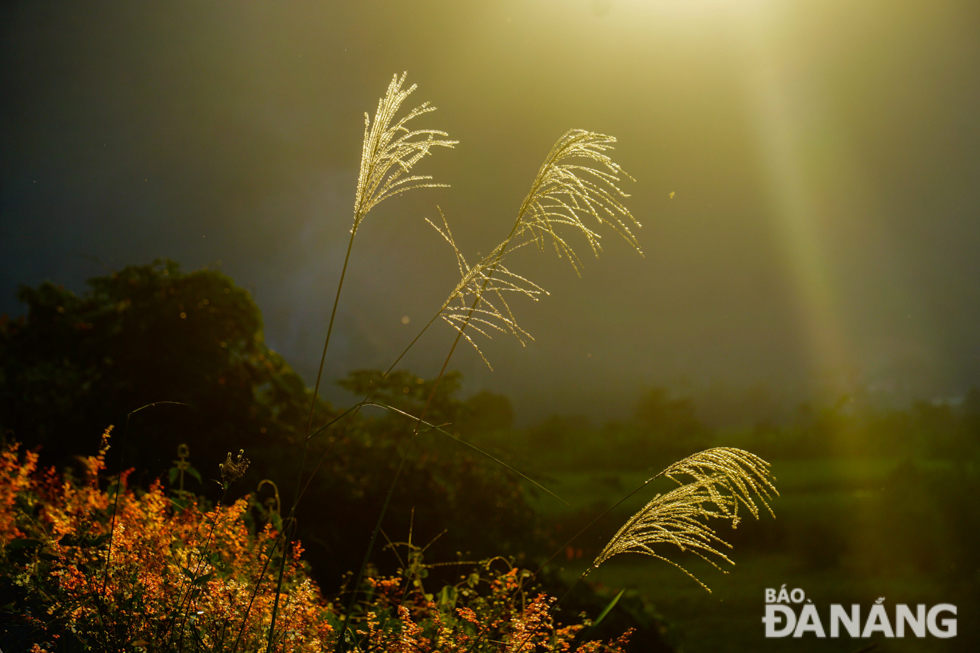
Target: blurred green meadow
(847, 531)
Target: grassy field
(828, 538)
(729, 618)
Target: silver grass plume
(388, 154)
(721, 479)
(566, 189)
(390, 151)
(577, 179)
(478, 299)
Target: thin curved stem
(255, 591)
(342, 641)
(323, 356)
(309, 429)
(115, 502)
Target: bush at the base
(176, 575)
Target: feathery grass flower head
(478, 301)
(721, 479)
(390, 151)
(578, 179)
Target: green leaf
(193, 472)
(447, 596)
(612, 604)
(173, 475)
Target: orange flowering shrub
(178, 576)
(485, 611)
(171, 577)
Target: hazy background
(824, 160)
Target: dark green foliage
(141, 335)
(484, 413)
(407, 392)
(67, 374)
(633, 611)
(558, 431)
(477, 506)
(668, 425)
(663, 428)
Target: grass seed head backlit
(478, 301)
(720, 479)
(566, 189)
(577, 179)
(390, 151)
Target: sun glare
(703, 9)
